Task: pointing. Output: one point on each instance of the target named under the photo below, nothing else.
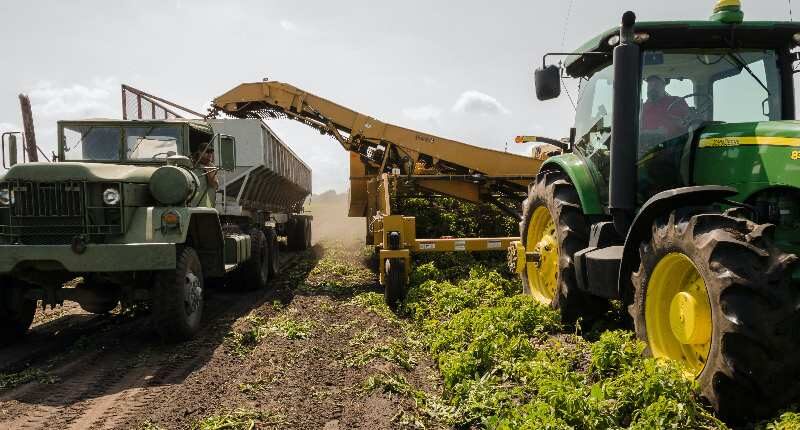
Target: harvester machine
(386, 158)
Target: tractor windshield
(684, 89)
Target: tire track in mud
(103, 388)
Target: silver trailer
(270, 181)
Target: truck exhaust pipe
(625, 127)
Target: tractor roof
(687, 34)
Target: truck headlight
(111, 196)
(5, 197)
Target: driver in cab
(662, 113)
(203, 158)
(663, 119)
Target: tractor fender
(656, 206)
(581, 177)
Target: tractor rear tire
(178, 298)
(274, 253)
(557, 197)
(254, 273)
(395, 282)
(748, 328)
(16, 311)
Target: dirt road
(294, 356)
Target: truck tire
(307, 235)
(395, 282)
(178, 298)
(99, 307)
(274, 253)
(300, 234)
(100, 297)
(16, 311)
(714, 293)
(554, 226)
(254, 272)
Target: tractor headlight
(111, 196)
(796, 38)
(5, 197)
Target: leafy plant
(291, 328)
(240, 419)
(11, 380)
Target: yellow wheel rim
(678, 314)
(543, 274)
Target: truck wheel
(178, 298)
(553, 226)
(395, 280)
(16, 312)
(274, 253)
(299, 236)
(715, 294)
(307, 234)
(99, 307)
(99, 298)
(255, 271)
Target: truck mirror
(227, 152)
(548, 82)
(12, 149)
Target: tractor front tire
(715, 294)
(554, 226)
(16, 311)
(178, 298)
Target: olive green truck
(136, 211)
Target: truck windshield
(151, 143)
(96, 143)
(114, 143)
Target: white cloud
(76, 100)
(476, 102)
(422, 113)
(288, 25)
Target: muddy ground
(296, 355)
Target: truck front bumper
(127, 257)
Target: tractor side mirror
(227, 152)
(548, 82)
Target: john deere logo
(719, 141)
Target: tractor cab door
(593, 125)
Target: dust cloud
(331, 223)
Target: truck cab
(126, 213)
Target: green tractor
(680, 197)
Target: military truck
(129, 212)
(679, 197)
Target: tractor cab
(691, 79)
